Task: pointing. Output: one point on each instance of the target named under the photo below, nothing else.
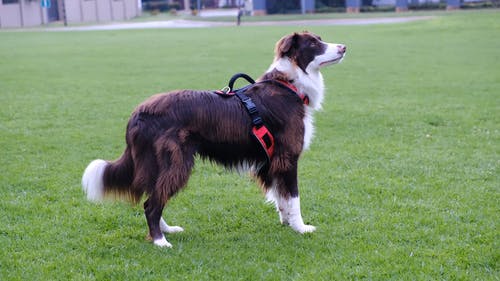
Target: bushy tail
(102, 178)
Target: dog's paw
(308, 228)
(304, 228)
(164, 227)
(173, 229)
(162, 243)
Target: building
(26, 13)
(262, 7)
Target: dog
(166, 131)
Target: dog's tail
(103, 178)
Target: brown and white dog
(166, 131)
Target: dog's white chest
(308, 128)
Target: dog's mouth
(333, 61)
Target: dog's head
(308, 51)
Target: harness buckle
(226, 90)
(257, 121)
(252, 109)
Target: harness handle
(236, 77)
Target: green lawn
(402, 179)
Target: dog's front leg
(290, 213)
(288, 208)
(285, 194)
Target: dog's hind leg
(175, 162)
(145, 179)
(153, 207)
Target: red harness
(259, 129)
(290, 86)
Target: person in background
(238, 17)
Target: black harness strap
(259, 130)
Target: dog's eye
(313, 44)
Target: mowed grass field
(402, 178)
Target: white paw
(164, 227)
(304, 228)
(162, 243)
(173, 229)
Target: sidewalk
(219, 13)
(206, 24)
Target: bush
(364, 9)
(330, 10)
(159, 6)
(480, 5)
(427, 6)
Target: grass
(402, 179)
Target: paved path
(205, 24)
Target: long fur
(166, 131)
(92, 180)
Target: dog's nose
(342, 49)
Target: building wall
(104, 11)
(72, 9)
(33, 14)
(100, 10)
(118, 9)
(10, 15)
(23, 13)
(30, 13)
(88, 10)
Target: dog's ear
(285, 44)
